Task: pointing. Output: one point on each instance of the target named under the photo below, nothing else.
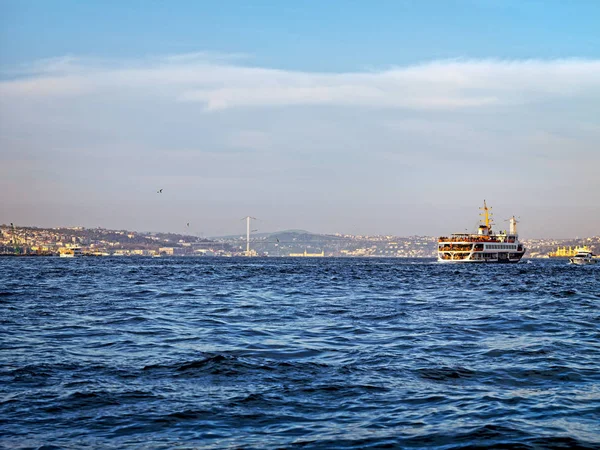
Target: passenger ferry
(483, 247)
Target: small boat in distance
(564, 252)
(583, 257)
(71, 252)
(483, 247)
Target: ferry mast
(486, 215)
(513, 225)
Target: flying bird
(188, 224)
(159, 191)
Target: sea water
(298, 353)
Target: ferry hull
(470, 261)
(581, 263)
(582, 260)
(480, 258)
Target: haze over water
(297, 353)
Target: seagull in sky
(159, 191)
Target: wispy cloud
(220, 82)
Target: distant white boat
(583, 257)
(71, 252)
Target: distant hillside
(260, 235)
(25, 240)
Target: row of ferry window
(500, 246)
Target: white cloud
(218, 83)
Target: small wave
(126, 320)
(215, 364)
(185, 415)
(351, 389)
(553, 373)
(565, 294)
(250, 398)
(514, 353)
(211, 360)
(79, 400)
(446, 373)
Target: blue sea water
(298, 353)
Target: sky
(359, 117)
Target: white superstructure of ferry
(483, 247)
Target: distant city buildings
(102, 242)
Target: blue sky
(392, 117)
(310, 35)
